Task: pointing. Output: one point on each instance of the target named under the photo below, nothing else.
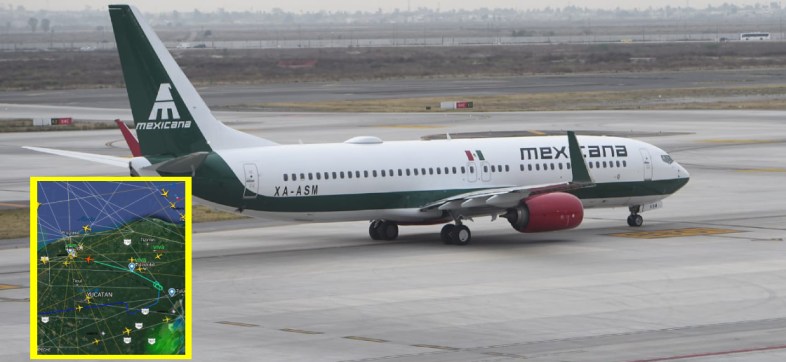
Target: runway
(248, 96)
(703, 280)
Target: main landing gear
(383, 230)
(635, 220)
(457, 234)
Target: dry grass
(687, 98)
(26, 125)
(15, 223)
(66, 69)
(202, 213)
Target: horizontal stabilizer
(106, 160)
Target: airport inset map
(111, 268)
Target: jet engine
(546, 212)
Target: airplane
(158, 256)
(537, 183)
(133, 145)
(86, 228)
(96, 341)
(89, 259)
(164, 192)
(167, 319)
(127, 331)
(78, 308)
(172, 205)
(88, 298)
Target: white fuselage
(392, 180)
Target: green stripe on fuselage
(215, 181)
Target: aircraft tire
(460, 235)
(445, 233)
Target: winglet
(578, 165)
(133, 144)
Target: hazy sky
(352, 5)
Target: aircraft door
(472, 172)
(647, 161)
(485, 171)
(251, 181)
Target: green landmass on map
(91, 302)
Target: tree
(45, 25)
(32, 23)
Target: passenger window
(294, 177)
(537, 167)
(447, 170)
(334, 175)
(568, 165)
(471, 169)
(454, 170)
(552, 166)
(383, 173)
(624, 163)
(423, 171)
(507, 168)
(560, 165)
(463, 170)
(589, 164)
(374, 173)
(399, 172)
(597, 164)
(618, 163)
(431, 170)
(604, 164)
(415, 171)
(286, 178)
(529, 167)
(521, 166)
(319, 176)
(310, 176)
(342, 174)
(357, 174)
(302, 176)
(365, 174)
(485, 169)
(493, 168)
(349, 174)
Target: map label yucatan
(110, 268)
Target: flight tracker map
(111, 267)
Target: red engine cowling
(546, 212)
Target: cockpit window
(667, 159)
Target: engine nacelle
(546, 212)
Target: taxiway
(703, 280)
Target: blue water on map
(67, 208)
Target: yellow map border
(34, 266)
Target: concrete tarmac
(710, 287)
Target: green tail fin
(170, 117)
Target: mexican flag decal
(473, 156)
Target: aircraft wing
(107, 160)
(503, 198)
(507, 197)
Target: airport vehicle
(536, 183)
(755, 36)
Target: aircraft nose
(682, 172)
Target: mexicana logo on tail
(164, 112)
